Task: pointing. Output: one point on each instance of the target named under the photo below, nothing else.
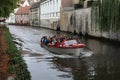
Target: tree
(7, 6)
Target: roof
(23, 10)
(35, 5)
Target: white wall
(50, 9)
(11, 18)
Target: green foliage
(79, 5)
(90, 3)
(106, 15)
(81, 1)
(71, 19)
(17, 64)
(7, 6)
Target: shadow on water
(104, 63)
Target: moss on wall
(106, 15)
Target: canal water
(99, 60)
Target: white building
(50, 13)
(50, 9)
(11, 18)
(35, 14)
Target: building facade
(11, 19)
(50, 13)
(22, 15)
(35, 14)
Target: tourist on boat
(78, 40)
(43, 39)
(63, 42)
(58, 43)
(54, 41)
(48, 40)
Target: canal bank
(11, 61)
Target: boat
(71, 46)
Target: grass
(17, 65)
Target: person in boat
(43, 39)
(78, 40)
(53, 41)
(63, 42)
(58, 43)
(46, 40)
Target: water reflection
(74, 66)
(105, 61)
(99, 61)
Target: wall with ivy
(86, 21)
(105, 17)
(106, 14)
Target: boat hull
(68, 51)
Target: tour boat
(70, 47)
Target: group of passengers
(57, 41)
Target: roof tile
(23, 10)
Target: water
(99, 60)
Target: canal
(99, 59)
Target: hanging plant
(71, 19)
(107, 15)
(79, 5)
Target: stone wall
(50, 23)
(79, 21)
(65, 21)
(111, 35)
